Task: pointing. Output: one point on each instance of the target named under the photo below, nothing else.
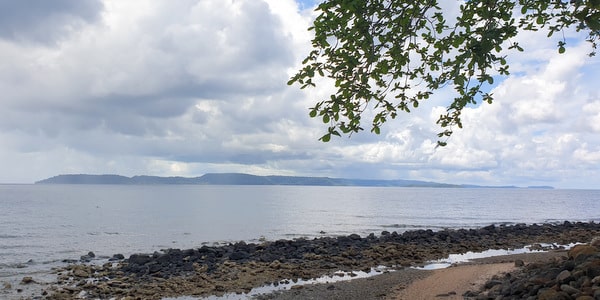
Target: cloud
(188, 87)
(46, 22)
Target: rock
(275, 265)
(354, 236)
(519, 263)
(550, 294)
(239, 255)
(27, 280)
(88, 257)
(569, 289)
(581, 251)
(7, 286)
(82, 271)
(591, 268)
(564, 277)
(490, 284)
(139, 259)
(116, 257)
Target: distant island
(248, 179)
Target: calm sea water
(40, 225)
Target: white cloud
(188, 87)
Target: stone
(592, 268)
(550, 294)
(81, 272)
(569, 289)
(27, 280)
(116, 257)
(564, 277)
(519, 263)
(581, 251)
(88, 257)
(139, 259)
(239, 255)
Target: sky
(188, 87)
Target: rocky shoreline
(575, 276)
(239, 267)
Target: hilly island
(248, 179)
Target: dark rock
(550, 294)
(116, 257)
(519, 263)
(354, 237)
(581, 252)
(592, 268)
(139, 259)
(27, 280)
(564, 277)
(490, 284)
(569, 289)
(239, 255)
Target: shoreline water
(239, 267)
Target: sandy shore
(451, 283)
(447, 284)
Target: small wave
(405, 226)
(8, 236)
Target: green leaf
(313, 113)
(326, 138)
(524, 9)
(539, 20)
(561, 49)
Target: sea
(41, 226)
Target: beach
(238, 268)
(447, 283)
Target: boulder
(581, 252)
(139, 259)
(27, 280)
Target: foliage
(389, 55)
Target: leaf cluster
(389, 55)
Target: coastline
(239, 267)
(413, 284)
